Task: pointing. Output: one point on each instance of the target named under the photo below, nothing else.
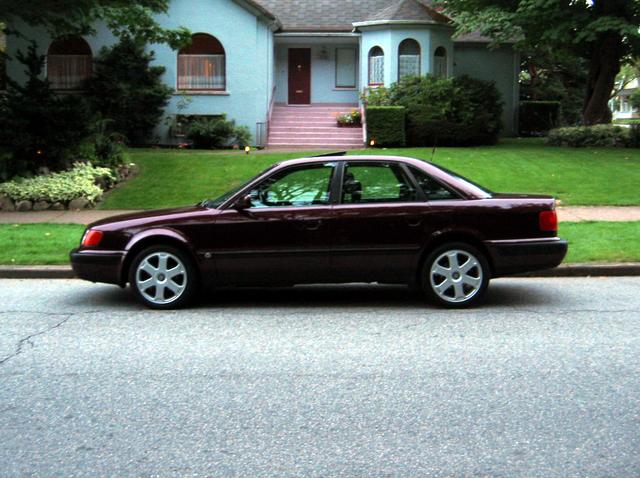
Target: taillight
(548, 221)
(92, 238)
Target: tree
(40, 128)
(127, 90)
(549, 75)
(69, 17)
(603, 32)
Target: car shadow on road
(501, 294)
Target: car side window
(376, 182)
(431, 188)
(302, 186)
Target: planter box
(349, 125)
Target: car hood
(148, 217)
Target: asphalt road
(543, 381)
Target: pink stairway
(312, 126)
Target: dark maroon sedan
(332, 219)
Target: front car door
(378, 226)
(284, 237)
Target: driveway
(322, 381)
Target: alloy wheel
(161, 278)
(456, 276)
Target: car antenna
(338, 153)
(433, 151)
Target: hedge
(597, 135)
(386, 125)
(538, 117)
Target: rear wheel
(455, 275)
(163, 277)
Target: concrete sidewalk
(565, 214)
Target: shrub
(125, 88)
(40, 128)
(60, 187)
(598, 135)
(386, 125)
(538, 117)
(445, 111)
(217, 133)
(104, 149)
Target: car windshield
(217, 202)
(479, 190)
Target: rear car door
(284, 237)
(378, 223)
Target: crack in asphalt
(28, 339)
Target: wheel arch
(155, 237)
(467, 237)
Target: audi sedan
(330, 219)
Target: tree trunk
(603, 68)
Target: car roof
(368, 158)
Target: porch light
(372, 143)
(247, 149)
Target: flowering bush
(352, 118)
(60, 187)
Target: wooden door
(299, 76)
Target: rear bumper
(97, 266)
(525, 255)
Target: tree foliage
(39, 127)
(127, 90)
(603, 32)
(67, 17)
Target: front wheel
(455, 275)
(163, 277)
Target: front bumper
(525, 255)
(97, 266)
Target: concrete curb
(565, 270)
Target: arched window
(201, 64)
(69, 63)
(440, 62)
(376, 66)
(408, 58)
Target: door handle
(311, 224)
(413, 221)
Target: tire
(455, 275)
(163, 277)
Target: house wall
(502, 66)
(389, 37)
(323, 69)
(248, 60)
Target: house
(286, 68)
(621, 106)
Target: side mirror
(243, 202)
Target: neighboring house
(621, 106)
(258, 61)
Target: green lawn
(26, 244)
(576, 176)
(51, 243)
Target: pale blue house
(286, 68)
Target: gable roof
(340, 15)
(408, 10)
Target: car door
(378, 224)
(284, 237)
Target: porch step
(312, 126)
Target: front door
(299, 76)
(284, 237)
